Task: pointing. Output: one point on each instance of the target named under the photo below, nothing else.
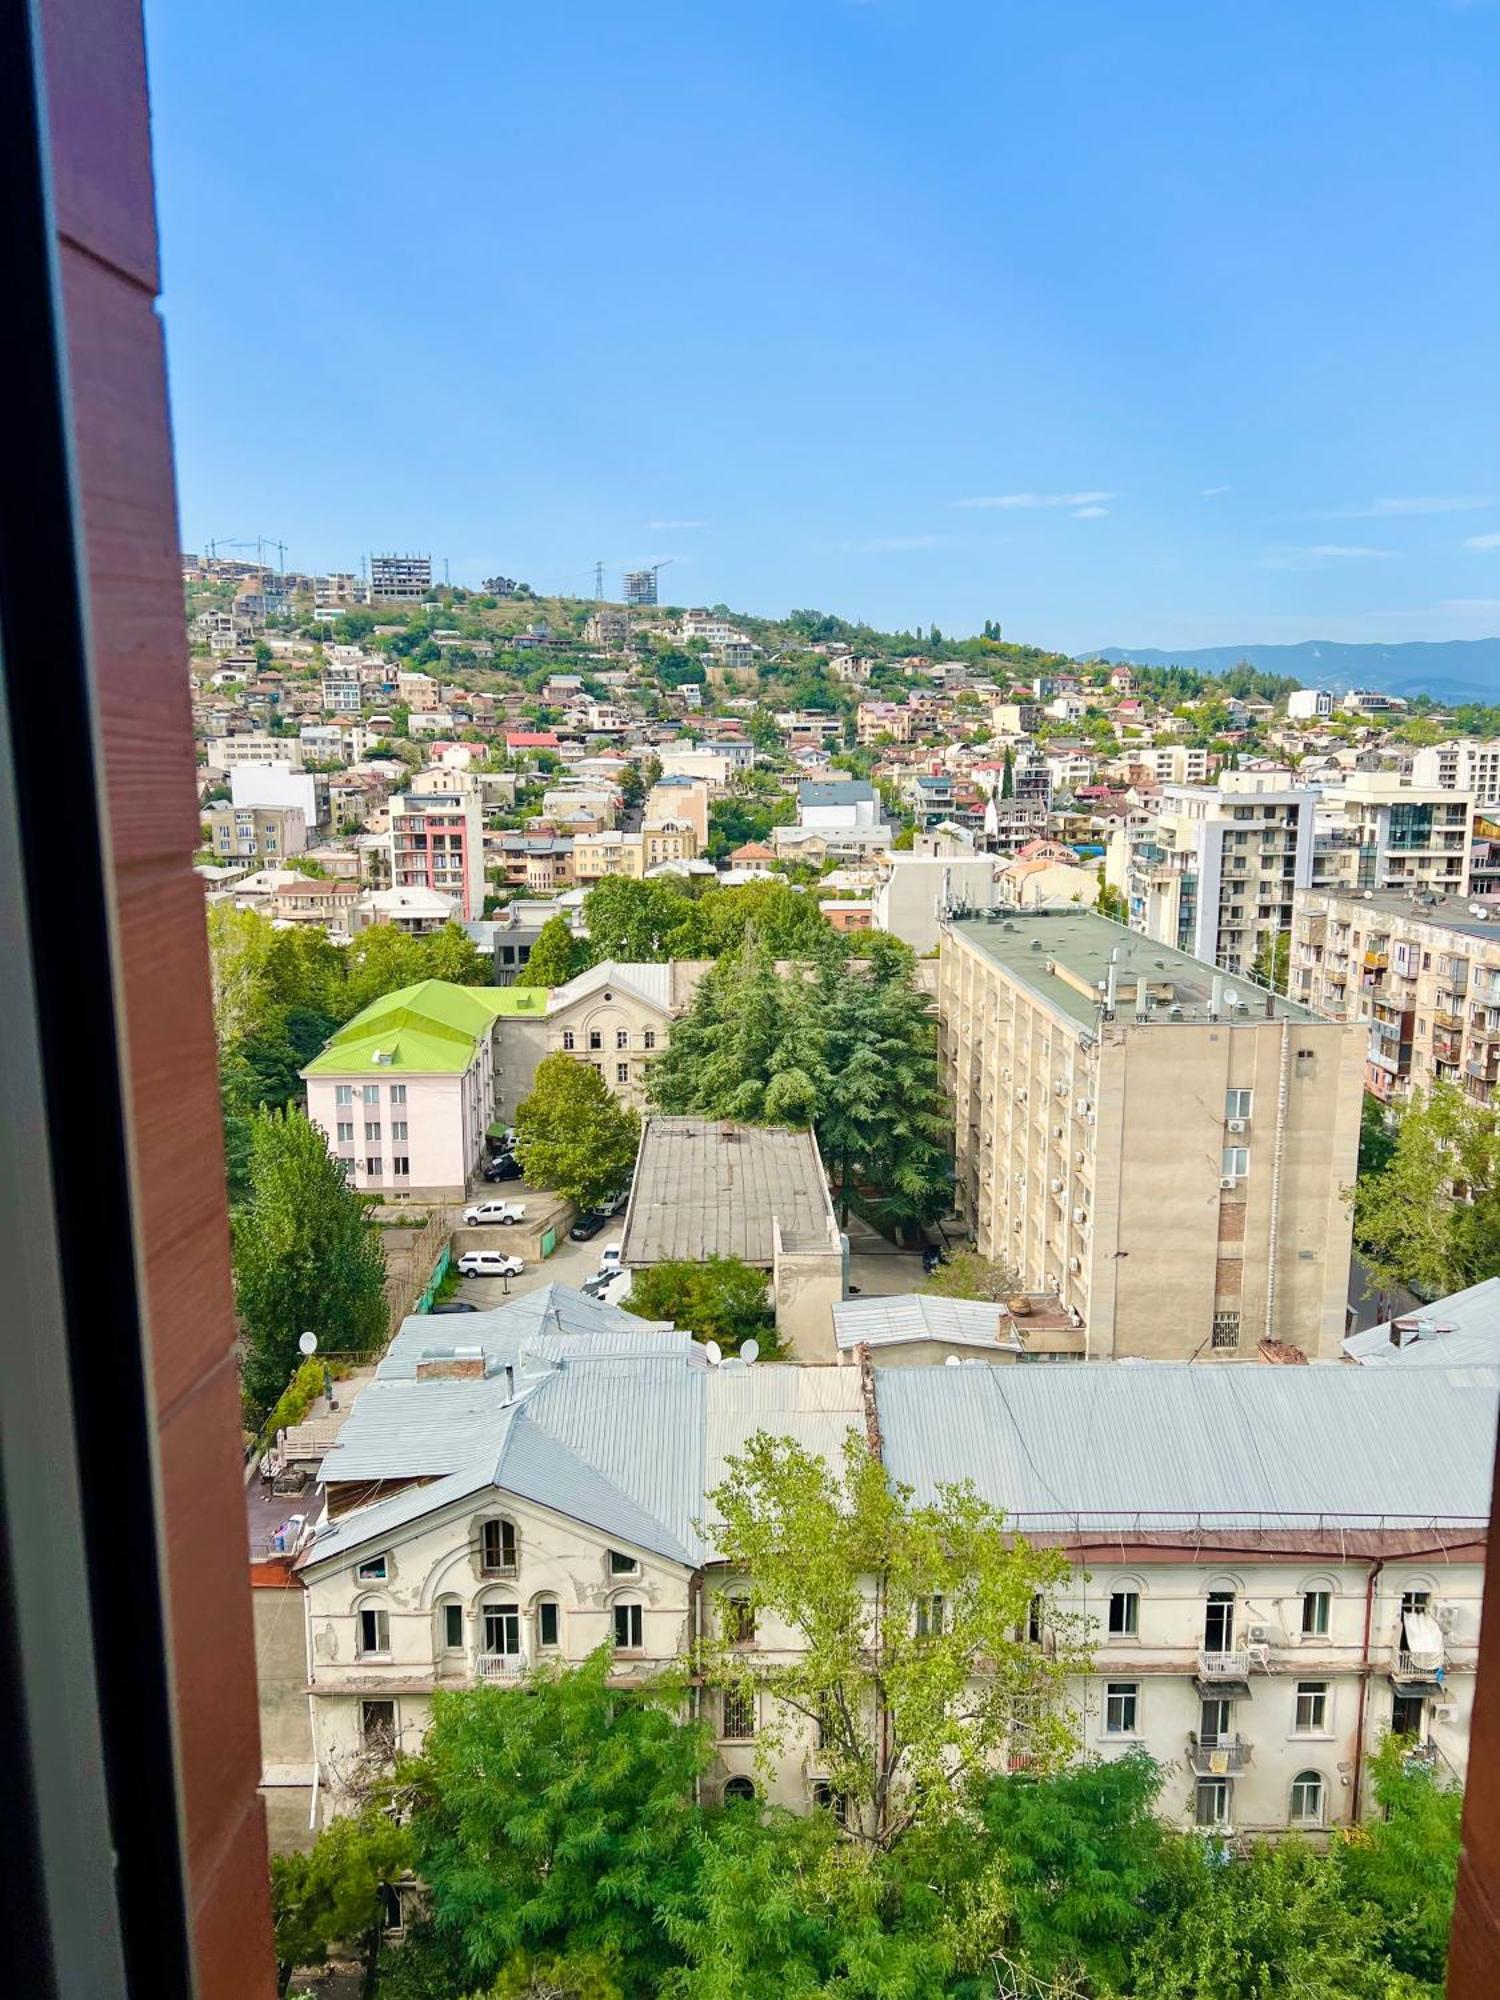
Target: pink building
(437, 842)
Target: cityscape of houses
(1174, 936)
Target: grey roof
(1462, 1331)
(816, 1406)
(1449, 913)
(1062, 956)
(546, 1324)
(906, 1316)
(1165, 1444)
(708, 1189)
(651, 983)
(835, 792)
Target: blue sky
(1174, 322)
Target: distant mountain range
(1450, 670)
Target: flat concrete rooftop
(1063, 957)
(704, 1188)
(1449, 913)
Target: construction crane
(260, 544)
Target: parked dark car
(454, 1306)
(504, 1167)
(588, 1225)
(932, 1256)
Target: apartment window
(648, 1040)
(547, 1624)
(372, 1131)
(502, 1629)
(453, 1628)
(1307, 1799)
(622, 1072)
(377, 1728)
(374, 1630)
(1124, 1613)
(622, 1038)
(346, 1131)
(1214, 1724)
(930, 1616)
(596, 1038)
(1211, 1805)
(370, 1092)
(398, 1093)
(1121, 1707)
(1311, 1716)
(622, 1565)
(569, 1039)
(374, 1166)
(398, 1130)
(497, 1547)
(1226, 1329)
(1218, 1622)
(1315, 1605)
(740, 1790)
(401, 1165)
(739, 1621)
(1235, 1162)
(629, 1631)
(372, 1570)
(1237, 1103)
(1034, 1622)
(738, 1723)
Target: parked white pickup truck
(495, 1211)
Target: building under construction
(397, 579)
(639, 586)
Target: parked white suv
(609, 1260)
(489, 1264)
(495, 1211)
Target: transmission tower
(598, 583)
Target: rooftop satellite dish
(750, 1351)
(952, 1361)
(308, 1344)
(714, 1352)
(1231, 996)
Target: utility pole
(598, 583)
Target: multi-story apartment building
(1309, 704)
(1255, 1615)
(265, 834)
(405, 1092)
(437, 842)
(1170, 763)
(1378, 832)
(1214, 869)
(1163, 1148)
(1423, 976)
(397, 578)
(682, 799)
(225, 753)
(608, 628)
(1464, 765)
(876, 721)
(343, 690)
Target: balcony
(1376, 961)
(1417, 1673)
(499, 1666)
(1221, 1673)
(1446, 1017)
(1217, 1756)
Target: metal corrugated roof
(419, 1430)
(552, 1322)
(1465, 1333)
(906, 1316)
(705, 1189)
(817, 1407)
(651, 983)
(1161, 1444)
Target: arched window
(499, 1547)
(739, 1621)
(1307, 1799)
(449, 1635)
(741, 1789)
(547, 1614)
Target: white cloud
(1421, 503)
(1089, 513)
(1318, 555)
(661, 526)
(1211, 492)
(1019, 500)
(886, 545)
(1483, 542)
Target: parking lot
(569, 1264)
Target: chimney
(510, 1382)
(451, 1364)
(1216, 997)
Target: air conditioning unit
(1058, 1186)
(1080, 1159)
(1443, 1714)
(1074, 1266)
(1080, 1216)
(1228, 1181)
(1259, 1634)
(1059, 1131)
(1237, 1125)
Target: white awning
(1424, 1639)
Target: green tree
(722, 1299)
(557, 1819)
(1404, 1863)
(571, 1135)
(788, 922)
(450, 953)
(307, 1258)
(967, 1275)
(330, 1899)
(915, 1668)
(1431, 1217)
(1273, 961)
(1109, 902)
(556, 957)
(641, 923)
(747, 1048)
(1008, 774)
(1377, 1142)
(238, 944)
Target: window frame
(1317, 1600)
(447, 1643)
(618, 1563)
(502, 1524)
(380, 1649)
(377, 1742)
(1302, 1782)
(738, 1717)
(502, 1617)
(1319, 1697)
(1238, 1102)
(633, 1612)
(539, 1611)
(373, 1569)
(1130, 1627)
(1218, 1822)
(1122, 1699)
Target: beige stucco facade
(1179, 1181)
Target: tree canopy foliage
(1429, 1217)
(572, 1134)
(719, 1298)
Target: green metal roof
(433, 1027)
